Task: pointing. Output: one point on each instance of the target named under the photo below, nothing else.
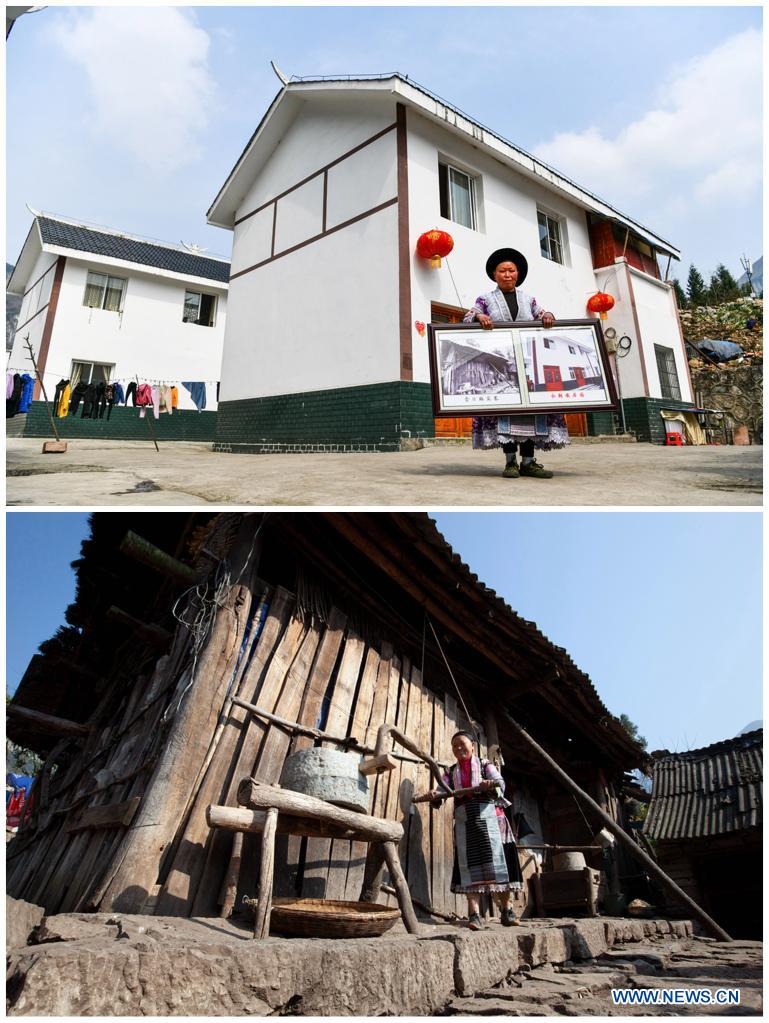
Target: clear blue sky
(132, 117)
(40, 547)
(662, 610)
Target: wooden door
(459, 427)
(553, 381)
(579, 375)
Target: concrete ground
(101, 964)
(98, 473)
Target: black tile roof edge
(156, 254)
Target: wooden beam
(261, 797)
(47, 722)
(239, 819)
(154, 634)
(113, 815)
(141, 550)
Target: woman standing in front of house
(485, 853)
(508, 269)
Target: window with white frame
(457, 195)
(551, 236)
(90, 372)
(104, 292)
(199, 308)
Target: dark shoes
(509, 918)
(475, 923)
(536, 471)
(511, 471)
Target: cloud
(151, 92)
(701, 141)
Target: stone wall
(736, 389)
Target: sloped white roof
(285, 106)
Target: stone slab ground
(120, 965)
(104, 473)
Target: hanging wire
(202, 602)
(448, 668)
(456, 289)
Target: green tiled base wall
(123, 424)
(373, 417)
(601, 424)
(642, 417)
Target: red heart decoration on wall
(420, 328)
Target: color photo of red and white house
(563, 363)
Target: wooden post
(665, 882)
(401, 887)
(63, 444)
(264, 904)
(230, 888)
(372, 875)
(591, 894)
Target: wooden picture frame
(520, 368)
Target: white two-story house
(100, 305)
(324, 344)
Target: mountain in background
(12, 306)
(758, 276)
(751, 727)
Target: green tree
(632, 730)
(679, 293)
(723, 287)
(695, 287)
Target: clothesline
(167, 381)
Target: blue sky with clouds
(132, 117)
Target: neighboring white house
(101, 305)
(326, 204)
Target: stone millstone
(327, 774)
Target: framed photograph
(520, 367)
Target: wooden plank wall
(323, 675)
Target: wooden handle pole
(401, 887)
(264, 903)
(659, 875)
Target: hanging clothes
(197, 389)
(166, 401)
(61, 398)
(118, 393)
(154, 400)
(78, 393)
(27, 386)
(12, 401)
(8, 385)
(175, 397)
(131, 392)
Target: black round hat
(502, 256)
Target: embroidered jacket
(494, 304)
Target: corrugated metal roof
(709, 791)
(133, 250)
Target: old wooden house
(336, 621)
(705, 820)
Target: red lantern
(600, 303)
(434, 244)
